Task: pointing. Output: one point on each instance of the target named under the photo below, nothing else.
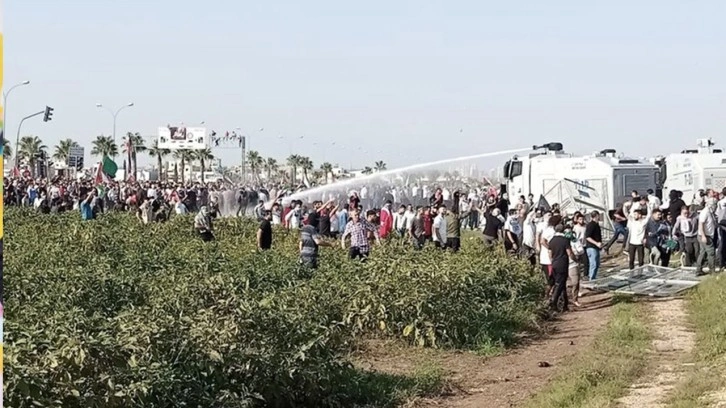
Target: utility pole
(5, 105)
(114, 114)
(244, 167)
(17, 138)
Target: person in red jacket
(428, 223)
(386, 220)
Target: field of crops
(111, 313)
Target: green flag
(109, 167)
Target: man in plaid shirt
(358, 230)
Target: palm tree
(379, 165)
(30, 148)
(293, 161)
(63, 150)
(282, 175)
(7, 150)
(327, 168)
(203, 155)
(183, 156)
(155, 151)
(134, 143)
(104, 146)
(255, 163)
(317, 175)
(367, 170)
(270, 167)
(306, 165)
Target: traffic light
(48, 114)
(79, 163)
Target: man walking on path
(707, 237)
(593, 244)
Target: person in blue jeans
(620, 224)
(593, 244)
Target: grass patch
(382, 390)
(599, 376)
(706, 310)
(490, 348)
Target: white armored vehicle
(693, 170)
(602, 180)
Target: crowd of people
(565, 245)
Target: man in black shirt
(264, 233)
(675, 203)
(314, 218)
(560, 253)
(492, 227)
(324, 221)
(620, 223)
(593, 244)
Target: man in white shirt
(408, 217)
(653, 200)
(364, 193)
(439, 228)
(54, 192)
(543, 239)
(579, 231)
(637, 234)
(151, 192)
(293, 217)
(529, 232)
(707, 236)
(399, 221)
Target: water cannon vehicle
(693, 169)
(605, 178)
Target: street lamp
(114, 114)
(5, 103)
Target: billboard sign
(181, 137)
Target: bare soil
(502, 381)
(670, 352)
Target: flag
(543, 204)
(104, 174)
(99, 181)
(109, 167)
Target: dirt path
(506, 380)
(672, 345)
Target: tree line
(31, 148)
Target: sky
(406, 81)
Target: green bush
(111, 313)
